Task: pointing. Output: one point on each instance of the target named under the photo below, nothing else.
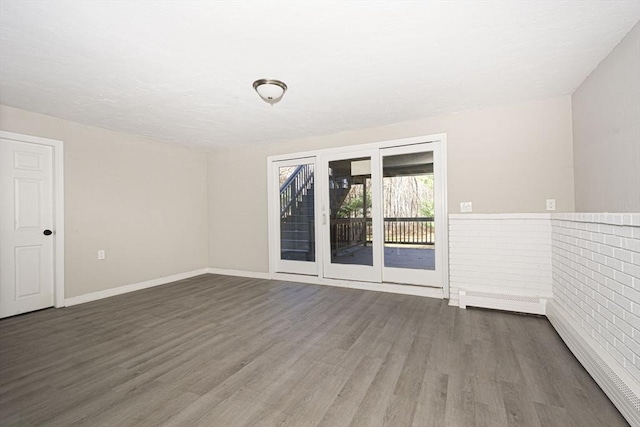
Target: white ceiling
(181, 71)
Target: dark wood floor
(223, 351)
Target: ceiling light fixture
(270, 90)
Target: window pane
(409, 227)
(350, 206)
(297, 232)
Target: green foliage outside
(353, 204)
(428, 206)
(353, 207)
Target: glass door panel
(410, 209)
(407, 183)
(296, 216)
(349, 211)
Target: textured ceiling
(181, 71)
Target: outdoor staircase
(297, 222)
(297, 231)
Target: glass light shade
(270, 90)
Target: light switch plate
(551, 204)
(101, 254)
(466, 207)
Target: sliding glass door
(374, 215)
(411, 206)
(350, 215)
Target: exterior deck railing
(348, 232)
(409, 231)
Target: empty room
(320, 213)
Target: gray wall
(503, 159)
(606, 131)
(142, 201)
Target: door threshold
(395, 288)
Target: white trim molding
(239, 273)
(619, 386)
(58, 201)
(94, 296)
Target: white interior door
(26, 227)
(350, 216)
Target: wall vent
(521, 304)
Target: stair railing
(292, 190)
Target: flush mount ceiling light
(270, 90)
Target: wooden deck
(224, 351)
(398, 257)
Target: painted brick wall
(596, 280)
(500, 253)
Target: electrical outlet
(466, 207)
(101, 254)
(551, 204)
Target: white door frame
(355, 272)
(438, 139)
(58, 207)
(276, 263)
(419, 277)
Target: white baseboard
(497, 301)
(619, 386)
(380, 287)
(239, 273)
(93, 296)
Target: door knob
(47, 232)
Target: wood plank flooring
(227, 351)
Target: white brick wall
(596, 280)
(500, 253)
